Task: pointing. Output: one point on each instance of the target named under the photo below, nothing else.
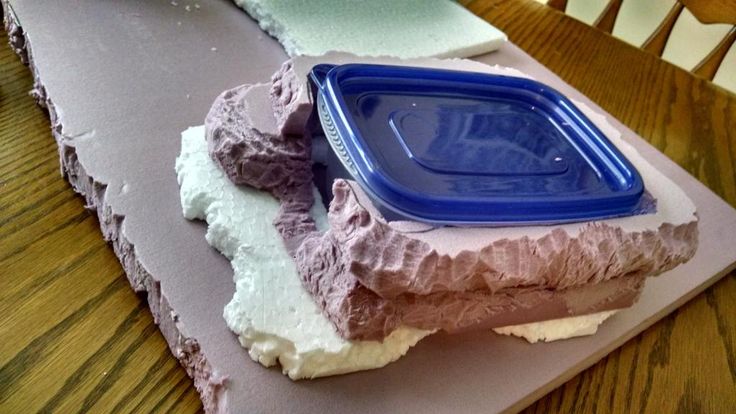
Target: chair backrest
(710, 11)
(697, 35)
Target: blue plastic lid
(461, 148)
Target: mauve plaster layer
(245, 141)
(370, 276)
(508, 293)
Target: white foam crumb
(275, 318)
(557, 329)
(188, 96)
(406, 28)
(178, 23)
(173, 3)
(196, 6)
(188, 8)
(214, 49)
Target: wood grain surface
(75, 338)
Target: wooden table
(74, 336)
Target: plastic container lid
(461, 148)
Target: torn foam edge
(210, 384)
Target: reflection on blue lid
(461, 148)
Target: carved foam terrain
(275, 318)
(371, 276)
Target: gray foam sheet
(127, 77)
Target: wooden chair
(705, 11)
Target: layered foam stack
(331, 291)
